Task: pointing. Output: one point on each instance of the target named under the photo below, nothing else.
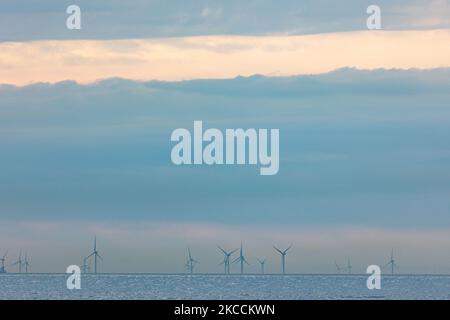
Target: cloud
(422, 14)
(221, 56)
(357, 147)
(22, 21)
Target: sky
(24, 20)
(86, 117)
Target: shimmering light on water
(151, 286)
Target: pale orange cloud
(220, 56)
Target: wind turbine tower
(26, 263)
(349, 266)
(95, 254)
(226, 260)
(241, 259)
(283, 257)
(19, 262)
(261, 262)
(3, 259)
(338, 268)
(85, 266)
(190, 262)
(392, 262)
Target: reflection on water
(151, 286)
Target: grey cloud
(357, 147)
(22, 20)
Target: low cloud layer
(220, 56)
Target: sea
(228, 287)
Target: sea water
(208, 286)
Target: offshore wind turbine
(226, 260)
(338, 268)
(85, 265)
(190, 263)
(225, 264)
(349, 266)
(3, 259)
(392, 262)
(283, 257)
(19, 262)
(26, 263)
(95, 254)
(261, 262)
(241, 259)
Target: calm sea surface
(157, 286)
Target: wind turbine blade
(99, 256)
(259, 260)
(288, 248)
(224, 252)
(337, 266)
(90, 255)
(281, 252)
(233, 251)
(236, 260)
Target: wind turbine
(349, 266)
(261, 262)
(95, 254)
(19, 262)
(190, 262)
(338, 268)
(226, 260)
(283, 257)
(26, 263)
(241, 259)
(225, 264)
(186, 265)
(85, 266)
(391, 262)
(3, 259)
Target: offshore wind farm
(231, 280)
(91, 262)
